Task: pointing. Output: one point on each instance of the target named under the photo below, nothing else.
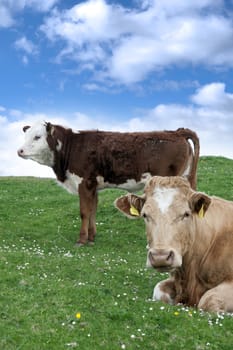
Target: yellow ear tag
(134, 211)
(201, 212)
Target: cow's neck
(61, 160)
(188, 276)
(189, 287)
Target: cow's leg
(87, 194)
(218, 299)
(165, 291)
(92, 221)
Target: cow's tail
(191, 135)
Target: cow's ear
(25, 128)
(199, 203)
(48, 127)
(130, 205)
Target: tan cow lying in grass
(190, 235)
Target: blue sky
(116, 65)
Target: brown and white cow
(87, 161)
(190, 235)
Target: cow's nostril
(151, 255)
(20, 152)
(170, 256)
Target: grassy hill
(57, 296)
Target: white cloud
(25, 60)
(9, 9)
(26, 45)
(6, 19)
(181, 6)
(214, 96)
(206, 116)
(40, 5)
(128, 44)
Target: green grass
(45, 280)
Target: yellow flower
(176, 313)
(78, 315)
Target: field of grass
(54, 295)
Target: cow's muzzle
(161, 259)
(22, 154)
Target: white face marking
(36, 147)
(164, 197)
(130, 185)
(72, 182)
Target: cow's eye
(186, 215)
(146, 217)
(36, 138)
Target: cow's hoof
(79, 244)
(91, 243)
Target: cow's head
(38, 143)
(170, 209)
